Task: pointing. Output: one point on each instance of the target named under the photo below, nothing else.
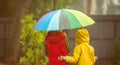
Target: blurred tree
(32, 42)
(105, 6)
(87, 6)
(83, 5)
(98, 7)
(40, 7)
(16, 10)
(95, 5)
(93, 8)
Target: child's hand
(61, 58)
(96, 57)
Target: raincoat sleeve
(93, 53)
(94, 56)
(94, 60)
(76, 55)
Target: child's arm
(72, 59)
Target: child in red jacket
(56, 46)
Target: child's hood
(82, 35)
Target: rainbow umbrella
(63, 19)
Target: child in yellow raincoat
(83, 52)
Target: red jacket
(56, 46)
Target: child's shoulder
(78, 46)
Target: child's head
(82, 35)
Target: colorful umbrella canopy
(63, 19)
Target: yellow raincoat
(83, 52)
